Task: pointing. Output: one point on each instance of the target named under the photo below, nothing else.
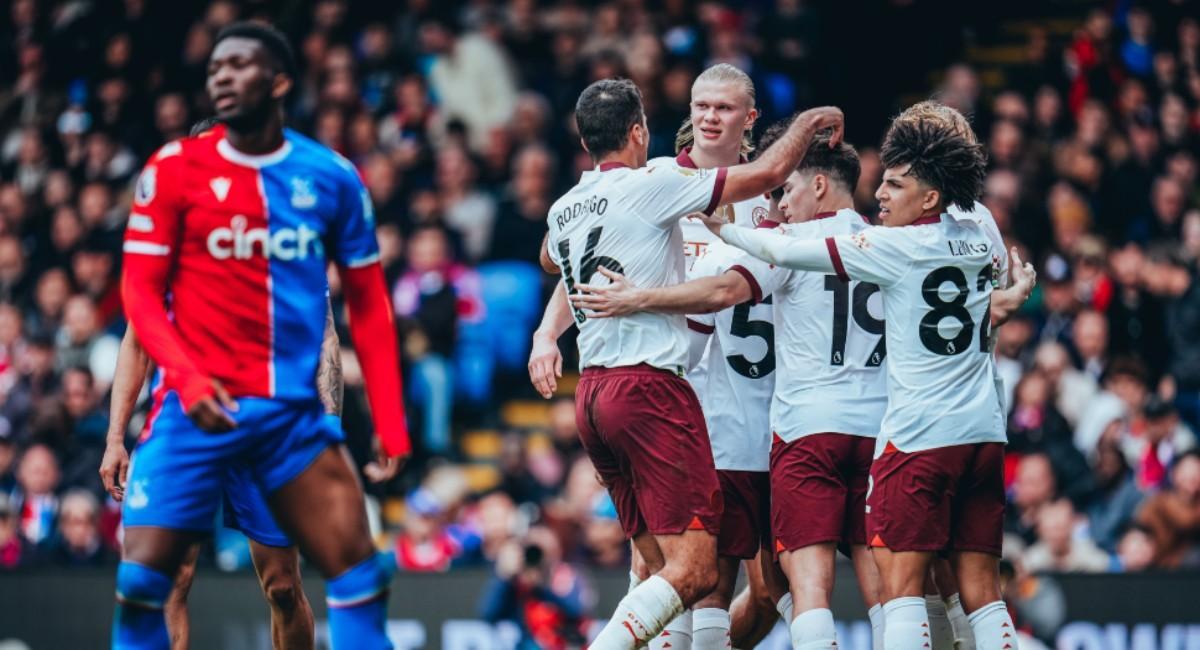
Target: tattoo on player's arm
(329, 372)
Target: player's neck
(623, 158)
(831, 204)
(708, 159)
(257, 141)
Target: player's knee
(283, 596)
(141, 586)
(692, 581)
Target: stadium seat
(524, 413)
(512, 293)
(481, 444)
(481, 477)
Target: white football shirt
(830, 342)
(739, 376)
(627, 220)
(937, 278)
(982, 216)
(696, 236)
(696, 239)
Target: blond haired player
(639, 420)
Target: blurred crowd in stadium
(460, 124)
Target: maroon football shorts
(644, 431)
(819, 489)
(745, 521)
(943, 499)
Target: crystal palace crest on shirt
(304, 197)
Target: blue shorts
(179, 474)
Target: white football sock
(677, 635)
(964, 638)
(710, 629)
(784, 607)
(640, 616)
(906, 624)
(634, 581)
(940, 631)
(876, 616)
(993, 627)
(813, 630)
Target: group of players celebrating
(840, 391)
(768, 379)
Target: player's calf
(979, 588)
(176, 605)
(689, 572)
(810, 575)
(279, 574)
(711, 620)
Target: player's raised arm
(372, 325)
(149, 253)
(700, 296)
(771, 169)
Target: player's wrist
(194, 390)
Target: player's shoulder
(176, 152)
(309, 152)
(753, 211)
(662, 161)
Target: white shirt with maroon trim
(739, 369)
(936, 276)
(829, 341)
(627, 220)
(696, 236)
(982, 216)
(696, 239)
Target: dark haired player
(224, 285)
(937, 479)
(638, 418)
(830, 392)
(276, 560)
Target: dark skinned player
(224, 285)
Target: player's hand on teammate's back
(618, 298)
(212, 414)
(545, 364)
(114, 470)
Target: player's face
(903, 198)
(799, 202)
(721, 113)
(242, 81)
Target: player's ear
(637, 133)
(820, 186)
(931, 200)
(751, 118)
(281, 86)
(583, 144)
